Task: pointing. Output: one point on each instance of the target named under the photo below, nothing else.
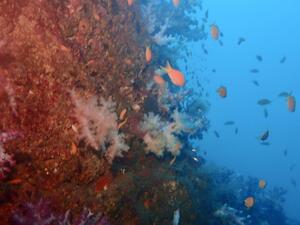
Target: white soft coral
(159, 136)
(98, 125)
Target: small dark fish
(229, 123)
(292, 167)
(259, 58)
(221, 42)
(217, 134)
(204, 49)
(255, 82)
(265, 143)
(206, 14)
(285, 152)
(241, 40)
(266, 113)
(236, 131)
(213, 70)
(264, 136)
(221, 34)
(293, 182)
(254, 71)
(283, 94)
(283, 59)
(264, 101)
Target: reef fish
(204, 49)
(175, 76)
(285, 152)
(122, 114)
(249, 202)
(255, 82)
(266, 113)
(291, 103)
(254, 71)
(222, 91)
(158, 80)
(282, 60)
(283, 94)
(293, 182)
(130, 2)
(241, 40)
(264, 101)
(264, 136)
(217, 134)
(214, 32)
(262, 184)
(229, 123)
(148, 54)
(176, 3)
(259, 58)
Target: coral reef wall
(92, 132)
(47, 50)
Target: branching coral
(98, 125)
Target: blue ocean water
(270, 29)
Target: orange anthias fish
(262, 184)
(158, 80)
(130, 2)
(291, 103)
(176, 3)
(148, 54)
(249, 202)
(214, 32)
(176, 76)
(222, 91)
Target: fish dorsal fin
(167, 68)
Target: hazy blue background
(271, 29)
